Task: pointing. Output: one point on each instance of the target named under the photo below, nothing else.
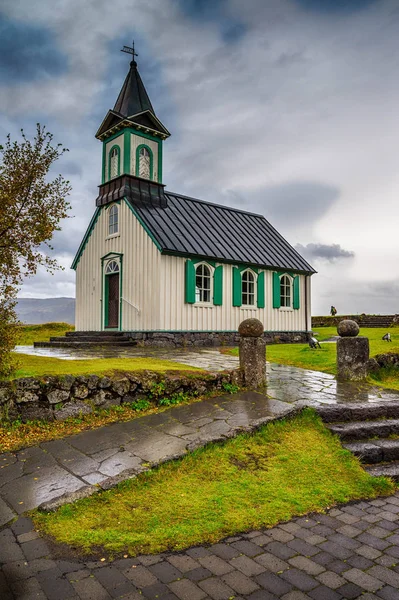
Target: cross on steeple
(130, 50)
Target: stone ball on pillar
(348, 328)
(251, 328)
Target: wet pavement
(61, 470)
(351, 552)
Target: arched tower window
(113, 219)
(248, 289)
(144, 162)
(285, 291)
(114, 162)
(202, 283)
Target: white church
(162, 266)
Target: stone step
(366, 430)
(333, 413)
(94, 333)
(387, 470)
(92, 338)
(375, 451)
(78, 344)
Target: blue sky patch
(28, 52)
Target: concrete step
(333, 413)
(388, 470)
(78, 344)
(375, 451)
(366, 430)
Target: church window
(248, 289)
(144, 162)
(112, 267)
(285, 291)
(202, 283)
(114, 162)
(113, 220)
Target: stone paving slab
(60, 471)
(291, 561)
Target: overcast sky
(287, 108)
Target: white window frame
(254, 275)
(211, 271)
(116, 233)
(109, 263)
(290, 279)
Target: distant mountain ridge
(35, 311)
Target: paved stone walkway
(350, 552)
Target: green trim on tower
(144, 226)
(189, 287)
(139, 147)
(295, 285)
(218, 286)
(276, 290)
(120, 290)
(237, 295)
(260, 296)
(126, 152)
(103, 175)
(160, 151)
(115, 146)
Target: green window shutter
(261, 290)
(237, 298)
(218, 286)
(276, 290)
(190, 282)
(296, 303)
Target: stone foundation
(57, 398)
(210, 338)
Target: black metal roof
(192, 227)
(133, 97)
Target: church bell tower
(131, 133)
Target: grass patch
(41, 366)
(41, 333)
(287, 468)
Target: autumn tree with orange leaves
(32, 205)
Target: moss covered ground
(287, 468)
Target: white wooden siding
(140, 275)
(155, 285)
(118, 141)
(136, 141)
(176, 315)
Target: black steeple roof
(133, 97)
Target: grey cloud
(329, 252)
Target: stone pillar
(352, 352)
(252, 350)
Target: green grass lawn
(40, 366)
(287, 468)
(41, 333)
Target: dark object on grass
(387, 337)
(313, 343)
(333, 311)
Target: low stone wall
(57, 398)
(362, 320)
(206, 339)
